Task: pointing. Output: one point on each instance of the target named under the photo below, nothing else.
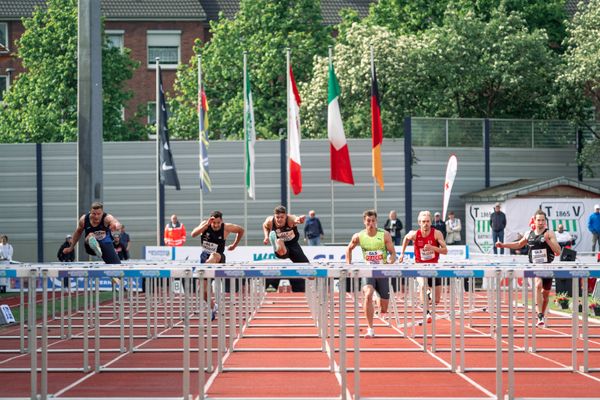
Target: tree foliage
(410, 16)
(579, 80)
(469, 67)
(41, 105)
(263, 28)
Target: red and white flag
(294, 134)
(449, 182)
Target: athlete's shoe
(541, 321)
(428, 317)
(273, 240)
(370, 333)
(95, 246)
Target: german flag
(376, 130)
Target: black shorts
(547, 283)
(205, 254)
(382, 285)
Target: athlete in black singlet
(281, 231)
(543, 247)
(99, 225)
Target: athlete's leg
(368, 291)
(438, 290)
(538, 296)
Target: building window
(151, 113)
(3, 86)
(115, 38)
(3, 37)
(166, 45)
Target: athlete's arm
(389, 245)
(441, 247)
(267, 225)
(409, 236)
(76, 236)
(239, 233)
(514, 245)
(551, 239)
(200, 229)
(295, 220)
(353, 243)
(112, 223)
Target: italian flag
(376, 131)
(294, 134)
(341, 170)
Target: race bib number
(374, 256)
(210, 247)
(286, 236)
(100, 235)
(539, 256)
(427, 255)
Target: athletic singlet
(539, 249)
(373, 247)
(422, 255)
(101, 232)
(286, 233)
(213, 241)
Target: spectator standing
(453, 228)
(394, 226)
(6, 249)
(594, 227)
(498, 223)
(439, 225)
(313, 231)
(125, 240)
(175, 234)
(66, 257)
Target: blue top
(312, 228)
(594, 223)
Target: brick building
(150, 28)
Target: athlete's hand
(401, 259)
(428, 247)
(499, 244)
(211, 220)
(301, 219)
(67, 250)
(266, 240)
(231, 247)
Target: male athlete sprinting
(376, 245)
(281, 231)
(542, 249)
(428, 244)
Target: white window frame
(5, 47)
(169, 38)
(117, 32)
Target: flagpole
(245, 152)
(201, 136)
(158, 222)
(372, 162)
(332, 194)
(288, 89)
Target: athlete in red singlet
(428, 244)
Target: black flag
(168, 173)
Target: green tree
(264, 28)
(467, 68)
(41, 105)
(579, 80)
(408, 16)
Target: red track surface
(269, 342)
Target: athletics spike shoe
(541, 321)
(273, 240)
(95, 246)
(428, 317)
(370, 333)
